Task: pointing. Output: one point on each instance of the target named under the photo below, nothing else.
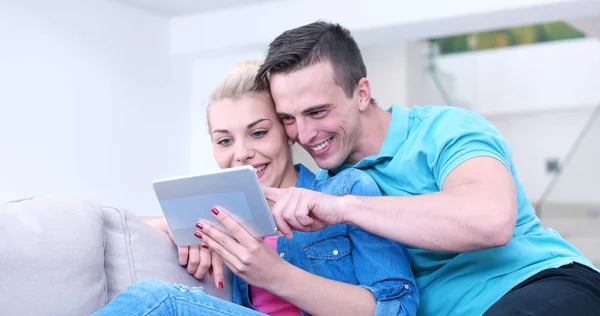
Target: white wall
(375, 21)
(578, 181)
(537, 136)
(386, 70)
(560, 74)
(539, 97)
(87, 104)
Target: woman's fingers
(219, 249)
(236, 231)
(218, 274)
(194, 259)
(205, 262)
(183, 252)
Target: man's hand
(303, 210)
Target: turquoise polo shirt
(422, 146)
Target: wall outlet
(552, 165)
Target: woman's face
(247, 131)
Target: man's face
(318, 114)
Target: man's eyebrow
(315, 108)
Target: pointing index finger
(272, 194)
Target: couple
(451, 195)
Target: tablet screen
(193, 208)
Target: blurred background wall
(99, 98)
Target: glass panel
(523, 35)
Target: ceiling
(172, 8)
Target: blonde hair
(240, 81)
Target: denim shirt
(348, 254)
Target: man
(453, 194)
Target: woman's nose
(243, 153)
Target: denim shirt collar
(306, 179)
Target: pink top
(267, 303)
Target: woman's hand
(197, 260)
(249, 258)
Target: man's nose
(305, 131)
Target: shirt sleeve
(457, 135)
(382, 266)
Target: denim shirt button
(335, 252)
(406, 286)
(282, 254)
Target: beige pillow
(51, 257)
(135, 251)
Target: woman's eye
(259, 134)
(224, 142)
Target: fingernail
(220, 285)
(197, 234)
(199, 226)
(204, 246)
(215, 211)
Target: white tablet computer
(188, 199)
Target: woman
(339, 270)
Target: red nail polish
(204, 246)
(220, 285)
(199, 226)
(197, 234)
(215, 211)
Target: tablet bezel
(225, 181)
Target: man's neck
(375, 123)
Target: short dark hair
(310, 44)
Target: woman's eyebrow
(224, 131)
(220, 131)
(257, 121)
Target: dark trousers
(573, 289)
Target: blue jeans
(153, 297)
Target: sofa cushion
(51, 257)
(135, 251)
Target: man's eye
(318, 113)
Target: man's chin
(328, 163)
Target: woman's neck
(290, 177)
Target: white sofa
(70, 256)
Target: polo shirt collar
(397, 132)
(395, 137)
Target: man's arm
(476, 209)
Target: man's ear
(291, 141)
(364, 93)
